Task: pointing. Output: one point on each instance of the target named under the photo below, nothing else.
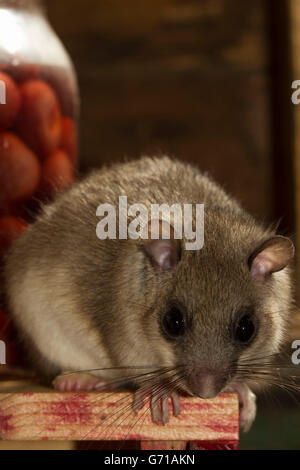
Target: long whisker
(125, 411)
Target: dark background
(206, 81)
(195, 79)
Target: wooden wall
(189, 78)
(294, 18)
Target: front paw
(247, 400)
(78, 382)
(159, 403)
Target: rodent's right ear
(271, 256)
(163, 250)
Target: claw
(176, 404)
(155, 409)
(247, 400)
(159, 404)
(165, 414)
(138, 400)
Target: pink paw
(77, 382)
(247, 401)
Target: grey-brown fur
(83, 303)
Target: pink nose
(206, 383)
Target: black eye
(245, 328)
(173, 322)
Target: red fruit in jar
(65, 87)
(12, 97)
(57, 173)
(19, 171)
(21, 72)
(69, 138)
(10, 229)
(39, 120)
(24, 72)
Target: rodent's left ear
(271, 256)
(165, 250)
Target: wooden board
(38, 415)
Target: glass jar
(39, 107)
(40, 113)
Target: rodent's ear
(271, 256)
(163, 249)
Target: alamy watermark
(135, 221)
(2, 352)
(296, 353)
(295, 97)
(2, 92)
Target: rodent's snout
(205, 382)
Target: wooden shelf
(29, 412)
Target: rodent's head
(221, 310)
